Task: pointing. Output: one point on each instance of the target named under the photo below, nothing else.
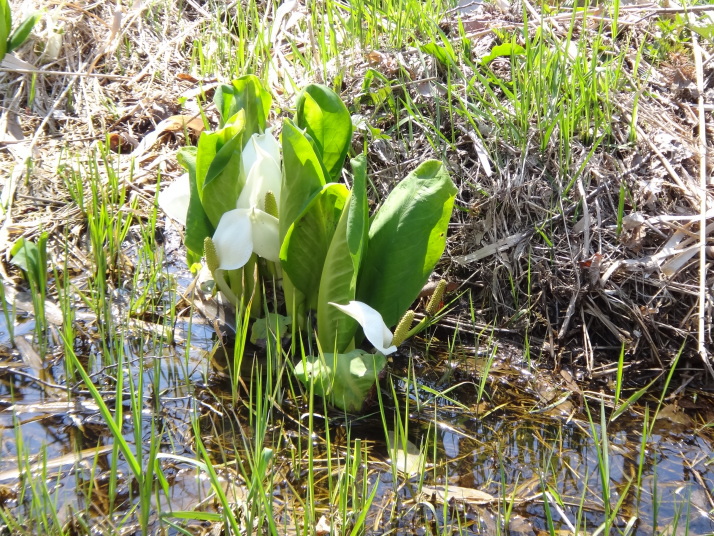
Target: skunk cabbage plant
(262, 209)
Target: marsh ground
(567, 388)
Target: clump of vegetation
(269, 214)
(566, 368)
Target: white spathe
(264, 176)
(372, 324)
(266, 142)
(241, 232)
(249, 229)
(174, 200)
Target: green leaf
(316, 371)
(32, 259)
(27, 256)
(405, 455)
(704, 27)
(221, 163)
(5, 26)
(268, 325)
(211, 143)
(324, 116)
(339, 275)
(22, 32)
(198, 226)
(248, 94)
(5, 15)
(624, 406)
(303, 175)
(444, 55)
(355, 376)
(406, 239)
(305, 245)
(345, 380)
(505, 49)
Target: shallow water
(525, 439)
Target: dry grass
(541, 245)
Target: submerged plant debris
(566, 387)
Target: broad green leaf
(358, 220)
(5, 17)
(406, 239)
(218, 169)
(22, 32)
(209, 143)
(198, 226)
(339, 274)
(303, 175)
(25, 255)
(305, 245)
(223, 182)
(31, 257)
(5, 26)
(355, 376)
(345, 380)
(316, 371)
(324, 116)
(273, 324)
(703, 27)
(245, 93)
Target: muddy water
(524, 437)
(513, 443)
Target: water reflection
(525, 455)
(524, 437)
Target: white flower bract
(174, 200)
(249, 229)
(372, 324)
